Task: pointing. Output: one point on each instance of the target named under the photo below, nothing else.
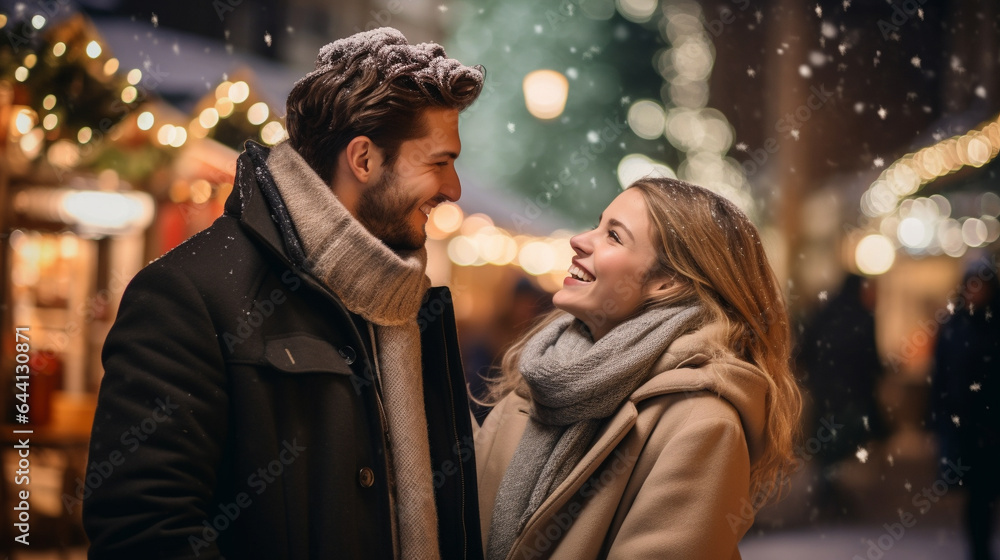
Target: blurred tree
(633, 75)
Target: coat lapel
(609, 436)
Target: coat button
(348, 354)
(366, 477)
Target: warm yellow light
(165, 134)
(239, 92)
(30, 60)
(536, 258)
(475, 222)
(196, 129)
(145, 120)
(25, 120)
(3, 20)
(209, 117)
(21, 74)
(93, 49)
(31, 143)
(64, 153)
(49, 102)
(201, 191)
(84, 135)
(134, 76)
(447, 217)
(545, 93)
(59, 49)
(874, 255)
(978, 151)
(224, 106)
(50, 121)
(463, 251)
(272, 133)
(111, 66)
(180, 137)
(222, 90)
(129, 94)
(38, 21)
(258, 113)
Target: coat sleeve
(160, 425)
(693, 505)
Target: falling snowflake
(911, 96)
(176, 48)
(442, 8)
(572, 73)
(751, 72)
(920, 13)
(626, 100)
(864, 421)
(742, 146)
(862, 454)
(878, 162)
(981, 92)
(915, 61)
(956, 65)
(593, 137)
(828, 30)
(956, 420)
(891, 460)
(759, 16)
(510, 127)
(805, 71)
(155, 20)
(267, 38)
(951, 308)
(908, 486)
(290, 29)
(882, 112)
(819, 11)
(859, 107)
(842, 48)
(823, 295)
(538, 29)
(975, 387)
(846, 4)
(795, 133)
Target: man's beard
(385, 210)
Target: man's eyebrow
(444, 153)
(616, 223)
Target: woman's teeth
(580, 274)
(426, 209)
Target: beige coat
(668, 474)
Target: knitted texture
(386, 288)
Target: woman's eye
(614, 235)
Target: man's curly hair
(373, 84)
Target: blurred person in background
(965, 399)
(842, 370)
(286, 384)
(654, 411)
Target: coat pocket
(304, 354)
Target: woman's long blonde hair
(713, 254)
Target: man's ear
(364, 159)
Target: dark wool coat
(239, 415)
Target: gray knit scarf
(574, 383)
(386, 288)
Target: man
(285, 384)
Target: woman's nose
(581, 243)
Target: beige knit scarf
(386, 288)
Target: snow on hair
(373, 84)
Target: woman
(652, 413)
